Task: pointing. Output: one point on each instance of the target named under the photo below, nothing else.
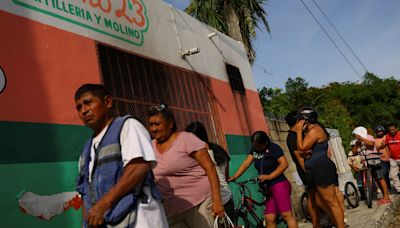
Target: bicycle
(324, 219)
(247, 206)
(367, 176)
(351, 195)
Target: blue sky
(297, 46)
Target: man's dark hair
(97, 90)
(291, 118)
(392, 124)
(165, 112)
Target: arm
(227, 171)
(312, 137)
(366, 141)
(299, 158)
(242, 168)
(283, 164)
(133, 173)
(206, 163)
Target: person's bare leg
(383, 186)
(312, 208)
(328, 197)
(289, 219)
(340, 198)
(271, 220)
(323, 207)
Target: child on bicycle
(368, 147)
(270, 163)
(355, 161)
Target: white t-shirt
(136, 143)
(224, 189)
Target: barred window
(235, 79)
(137, 83)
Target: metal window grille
(235, 79)
(137, 83)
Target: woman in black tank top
(312, 142)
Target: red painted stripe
(44, 66)
(239, 115)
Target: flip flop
(383, 201)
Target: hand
(358, 137)
(95, 216)
(306, 154)
(299, 126)
(264, 177)
(232, 178)
(218, 209)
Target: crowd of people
(133, 176)
(382, 153)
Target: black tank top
(319, 151)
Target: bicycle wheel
(368, 187)
(351, 194)
(303, 205)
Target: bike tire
(303, 206)
(246, 222)
(368, 188)
(351, 194)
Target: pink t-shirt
(181, 180)
(370, 150)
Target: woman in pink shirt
(185, 173)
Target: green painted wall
(43, 159)
(42, 179)
(238, 144)
(37, 142)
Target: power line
(341, 37)
(263, 69)
(330, 38)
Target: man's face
(93, 111)
(380, 134)
(392, 130)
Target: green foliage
(374, 101)
(248, 16)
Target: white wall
(160, 40)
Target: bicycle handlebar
(252, 180)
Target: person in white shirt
(134, 157)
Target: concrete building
(144, 51)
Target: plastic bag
(223, 222)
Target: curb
(387, 216)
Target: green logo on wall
(125, 20)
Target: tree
(374, 101)
(238, 19)
(295, 89)
(274, 101)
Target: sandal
(383, 201)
